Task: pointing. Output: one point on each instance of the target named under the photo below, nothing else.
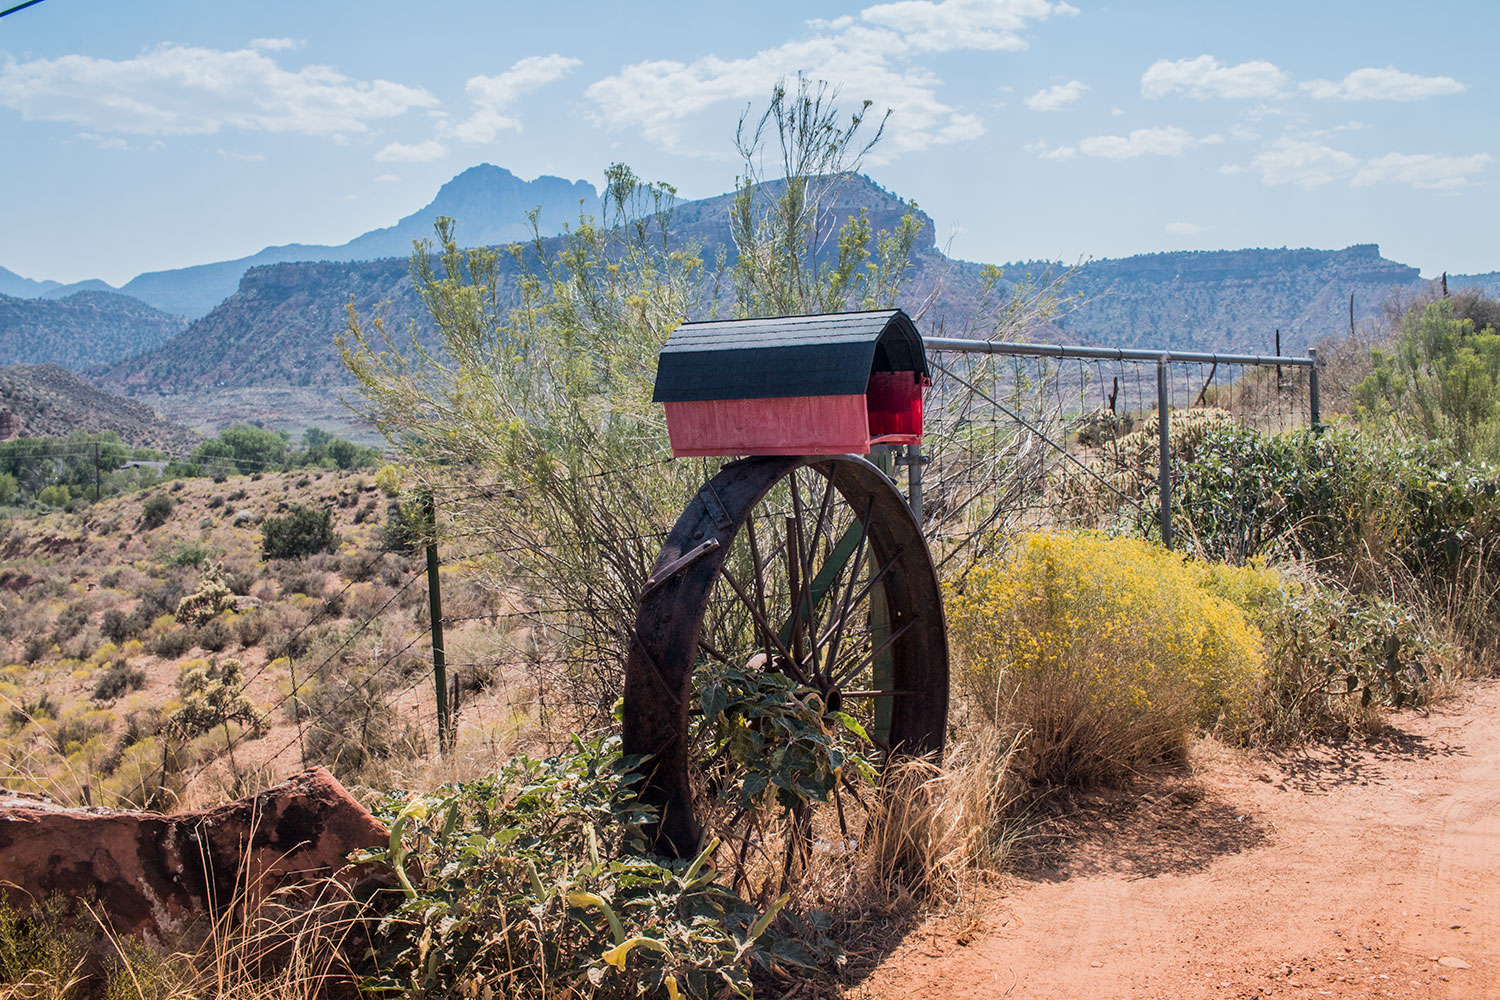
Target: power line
(19, 6)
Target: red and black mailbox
(831, 384)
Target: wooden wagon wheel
(811, 567)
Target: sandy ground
(1355, 871)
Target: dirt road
(1363, 871)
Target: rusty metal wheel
(811, 568)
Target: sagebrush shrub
(1103, 653)
(156, 510)
(301, 532)
(115, 625)
(170, 642)
(118, 679)
(251, 628)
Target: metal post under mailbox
(1164, 463)
(1314, 413)
(914, 462)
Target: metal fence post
(1164, 463)
(435, 607)
(1314, 412)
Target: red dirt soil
(1349, 871)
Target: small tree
(1440, 381)
(301, 532)
(243, 448)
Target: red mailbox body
(830, 384)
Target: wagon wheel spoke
(837, 630)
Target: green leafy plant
(1369, 514)
(1333, 659)
(536, 881)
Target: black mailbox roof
(831, 354)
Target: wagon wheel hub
(831, 695)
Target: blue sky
(150, 135)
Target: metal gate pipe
(1105, 353)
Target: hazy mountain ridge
(50, 401)
(491, 202)
(1488, 283)
(82, 330)
(1229, 300)
(13, 284)
(278, 327)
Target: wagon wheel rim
(810, 567)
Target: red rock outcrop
(154, 876)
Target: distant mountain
(277, 328)
(50, 401)
(83, 330)
(490, 202)
(87, 285)
(1227, 300)
(1489, 283)
(12, 283)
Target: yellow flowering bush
(1106, 653)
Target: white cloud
(1041, 149)
(276, 44)
(1168, 141)
(183, 90)
(235, 154)
(951, 25)
(1422, 170)
(1053, 98)
(495, 97)
(1182, 229)
(1310, 164)
(387, 178)
(1116, 112)
(837, 24)
(1303, 163)
(870, 58)
(420, 152)
(1388, 84)
(1231, 169)
(102, 142)
(1204, 77)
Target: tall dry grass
(296, 944)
